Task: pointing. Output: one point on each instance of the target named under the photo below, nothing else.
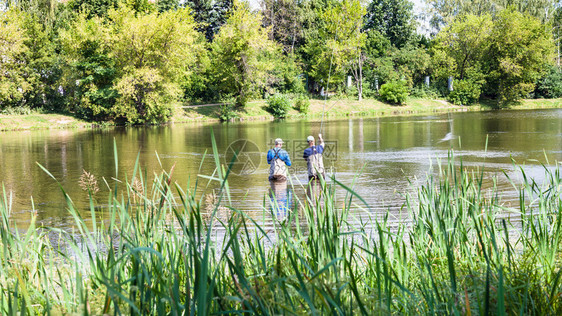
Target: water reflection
(314, 192)
(280, 198)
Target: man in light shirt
(313, 157)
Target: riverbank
(254, 111)
(40, 121)
(350, 108)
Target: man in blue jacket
(279, 159)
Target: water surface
(382, 154)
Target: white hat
(310, 138)
(278, 141)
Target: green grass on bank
(40, 121)
(161, 254)
(349, 108)
(254, 110)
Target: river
(385, 154)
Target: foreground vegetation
(160, 253)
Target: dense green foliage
(137, 61)
(241, 54)
(551, 85)
(302, 104)
(278, 105)
(466, 92)
(165, 250)
(393, 19)
(226, 112)
(503, 56)
(394, 92)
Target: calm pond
(384, 153)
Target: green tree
(394, 19)
(459, 51)
(385, 63)
(130, 66)
(379, 66)
(241, 54)
(152, 53)
(26, 60)
(443, 12)
(210, 15)
(43, 10)
(354, 40)
(550, 86)
(93, 8)
(13, 84)
(284, 19)
(166, 5)
(311, 44)
(336, 48)
(90, 70)
(521, 49)
(466, 41)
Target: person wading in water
(313, 157)
(279, 159)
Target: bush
(302, 104)
(278, 105)
(17, 110)
(465, 92)
(394, 92)
(226, 112)
(551, 85)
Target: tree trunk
(360, 77)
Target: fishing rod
(328, 86)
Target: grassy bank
(160, 254)
(255, 111)
(39, 121)
(347, 107)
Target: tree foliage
(444, 12)
(210, 15)
(131, 68)
(26, 61)
(505, 55)
(284, 20)
(13, 84)
(134, 61)
(241, 54)
(337, 46)
(465, 43)
(394, 92)
(393, 19)
(90, 70)
(520, 50)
